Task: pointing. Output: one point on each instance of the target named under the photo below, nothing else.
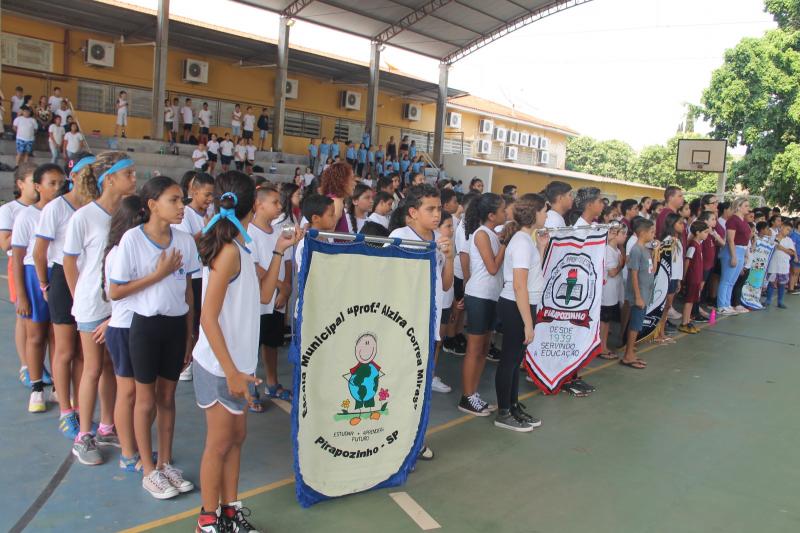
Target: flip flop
(279, 393)
(637, 365)
(608, 355)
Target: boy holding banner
(639, 289)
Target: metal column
(160, 70)
(722, 180)
(374, 88)
(280, 85)
(441, 110)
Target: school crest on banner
(759, 261)
(566, 334)
(662, 257)
(363, 366)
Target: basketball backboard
(701, 155)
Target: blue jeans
(729, 274)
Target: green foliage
(612, 159)
(754, 100)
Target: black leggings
(506, 379)
(736, 296)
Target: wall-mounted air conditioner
(524, 139)
(484, 147)
(511, 153)
(544, 158)
(292, 89)
(350, 100)
(534, 141)
(453, 120)
(412, 112)
(195, 71)
(513, 137)
(486, 126)
(500, 134)
(544, 143)
(99, 53)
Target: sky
(611, 69)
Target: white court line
(413, 509)
(3, 276)
(283, 404)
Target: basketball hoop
(701, 155)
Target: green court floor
(705, 440)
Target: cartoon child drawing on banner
(363, 381)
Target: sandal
(638, 365)
(608, 355)
(277, 392)
(426, 454)
(255, 405)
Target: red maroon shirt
(709, 253)
(742, 228)
(694, 252)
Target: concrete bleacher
(148, 157)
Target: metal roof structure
(446, 30)
(139, 25)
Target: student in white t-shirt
(240, 154)
(107, 180)
(25, 128)
(25, 191)
(235, 282)
(559, 195)
(248, 123)
(153, 269)
(48, 258)
(226, 148)
(64, 112)
(445, 327)
(54, 102)
(251, 155)
(122, 113)
(523, 284)
(212, 149)
(31, 302)
(780, 265)
(169, 121)
(236, 122)
(265, 230)
(187, 116)
(481, 292)
(73, 141)
(200, 156)
(55, 139)
(17, 99)
(204, 120)
(612, 286)
(382, 208)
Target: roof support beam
(520, 22)
(441, 110)
(295, 7)
(160, 71)
(371, 125)
(482, 12)
(281, 73)
(410, 19)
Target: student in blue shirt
(379, 154)
(335, 148)
(371, 160)
(396, 166)
(404, 164)
(412, 150)
(312, 155)
(362, 159)
(389, 166)
(365, 140)
(324, 150)
(416, 166)
(350, 155)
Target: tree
(754, 100)
(612, 159)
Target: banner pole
(612, 225)
(369, 238)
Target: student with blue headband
(105, 182)
(226, 354)
(48, 255)
(153, 269)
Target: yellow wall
(535, 182)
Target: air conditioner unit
(99, 53)
(544, 158)
(292, 89)
(513, 137)
(544, 143)
(486, 126)
(412, 112)
(534, 141)
(524, 139)
(511, 153)
(350, 100)
(484, 146)
(195, 71)
(453, 120)
(500, 134)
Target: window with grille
(140, 102)
(95, 97)
(348, 130)
(299, 124)
(25, 52)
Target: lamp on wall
(290, 23)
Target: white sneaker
(186, 375)
(673, 314)
(53, 396)
(440, 386)
(741, 309)
(175, 478)
(36, 404)
(727, 311)
(159, 486)
(529, 379)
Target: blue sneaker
(130, 464)
(25, 377)
(47, 379)
(70, 425)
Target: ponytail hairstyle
(669, 226)
(23, 171)
(186, 184)
(412, 200)
(129, 215)
(479, 210)
(287, 190)
(350, 203)
(152, 190)
(523, 214)
(86, 179)
(241, 201)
